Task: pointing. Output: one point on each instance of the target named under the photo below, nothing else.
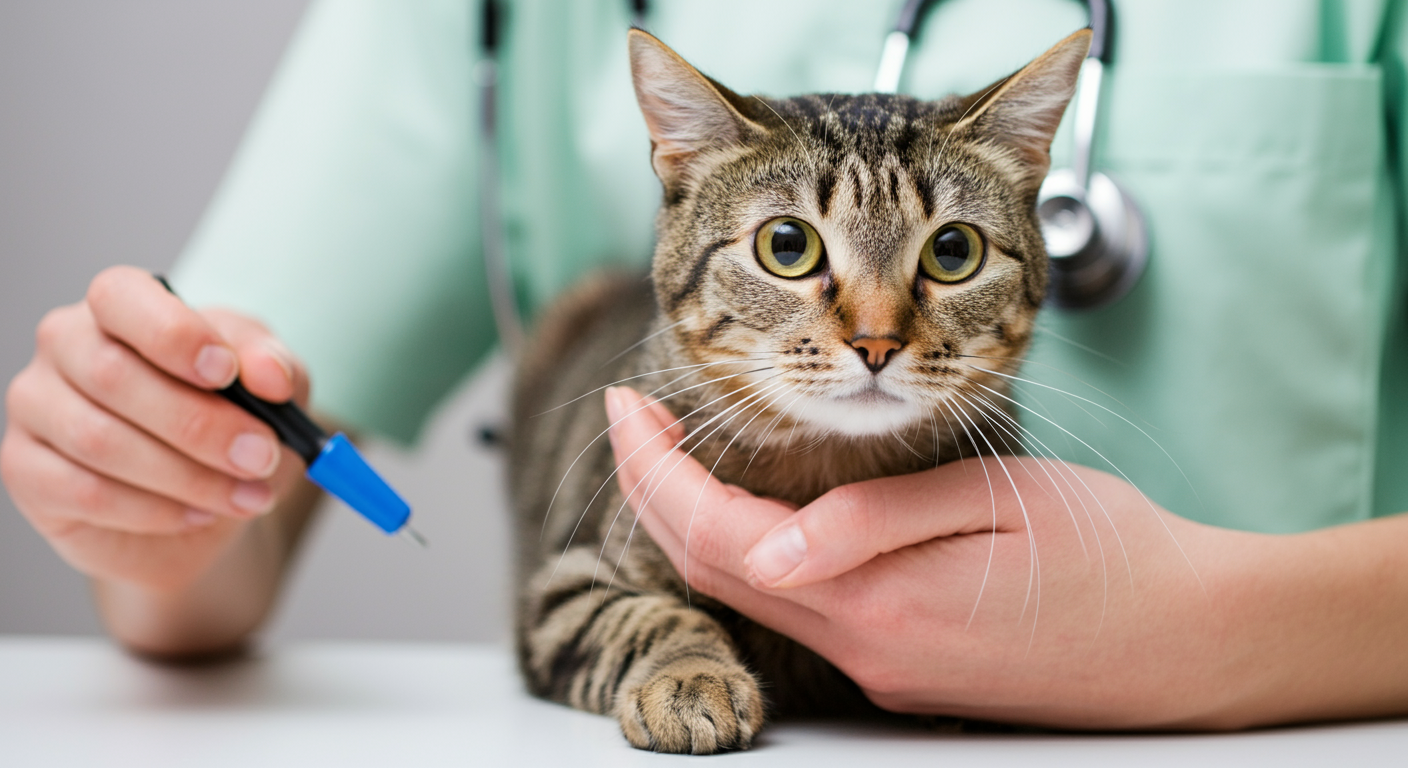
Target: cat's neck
(802, 469)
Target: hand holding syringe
(182, 507)
(334, 464)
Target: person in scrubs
(1246, 564)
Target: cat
(824, 266)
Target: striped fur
(777, 399)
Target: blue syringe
(334, 464)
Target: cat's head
(861, 256)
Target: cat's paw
(695, 705)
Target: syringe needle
(410, 533)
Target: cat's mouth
(870, 393)
(864, 410)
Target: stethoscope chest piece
(1095, 238)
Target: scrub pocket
(1250, 349)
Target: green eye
(954, 254)
(788, 247)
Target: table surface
(82, 702)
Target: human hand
(118, 451)
(942, 593)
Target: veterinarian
(1264, 353)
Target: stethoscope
(1093, 229)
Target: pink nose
(875, 352)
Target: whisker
(1119, 539)
(1082, 408)
(812, 444)
(825, 122)
(625, 351)
(956, 444)
(617, 469)
(934, 436)
(992, 494)
(806, 149)
(650, 373)
(1068, 375)
(949, 136)
(1059, 466)
(977, 402)
(787, 447)
(651, 492)
(630, 534)
(1156, 443)
(687, 437)
(547, 513)
(1034, 566)
(988, 408)
(1019, 390)
(1147, 500)
(652, 486)
(689, 528)
(900, 439)
(1050, 458)
(771, 426)
(1079, 345)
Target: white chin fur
(864, 416)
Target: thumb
(852, 524)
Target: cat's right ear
(1024, 110)
(685, 111)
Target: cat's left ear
(685, 111)
(1024, 109)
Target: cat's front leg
(668, 672)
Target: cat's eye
(788, 247)
(954, 254)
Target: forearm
(1323, 626)
(219, 610)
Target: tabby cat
(825, 265)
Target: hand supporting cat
(938, 595)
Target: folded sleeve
(347, 221)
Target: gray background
(116, 123)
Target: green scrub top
(1255, 377)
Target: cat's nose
(876, 352)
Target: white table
(80, 702)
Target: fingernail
(778, 554)
(282, 355)
(255, 498)
(198, 518)
(613, 405)
(217, 365)
(254, 454)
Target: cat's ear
(685, 111)
(1024, 109)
